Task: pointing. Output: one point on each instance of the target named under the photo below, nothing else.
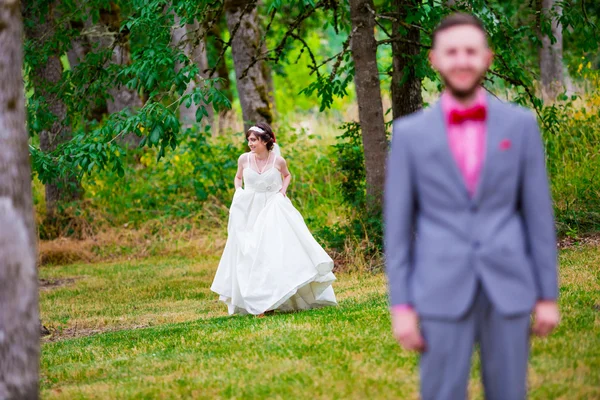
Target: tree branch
(289, 33)
(401, 39)
(312, 56)
(338, 62)
(233, 32)
(376, 19)
(338, 57)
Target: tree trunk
(253, 88)
(193, 45)
(368, 95)
(43, 76)
(19, 321)
(121, 97)
(107, 34)
(80, 47)
(266, 70)
(551, 54)
(406, 96)
(222, 72)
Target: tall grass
(573, 158)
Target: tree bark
(107, 35)
(80, 47)
(120, 97)
(551, 54)
(266, 70)
(46, 77)
(406, 96)
(253, 88)
(221, 70)
(19, 321)
(368, 95)
(193, 45)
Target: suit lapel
(447, 158)
(493, 131)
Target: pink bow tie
(476, 113)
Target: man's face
(462, 57)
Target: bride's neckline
(259, 173)
(264, 171)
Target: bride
(270, 260)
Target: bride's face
(256, 145)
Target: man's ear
(432, 59)
(490, 58)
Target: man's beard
(462, 93)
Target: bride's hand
(283, 193)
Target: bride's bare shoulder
(243, 157)
(280, 163)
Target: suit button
(473, 208)
(477, 244)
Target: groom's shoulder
(412, 123)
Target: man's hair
(454, 20)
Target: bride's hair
(264, 133)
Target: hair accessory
(256, 129)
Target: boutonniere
(505, 144)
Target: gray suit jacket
(439, 241)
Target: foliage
(196, 180)
(349, 156)
(573, 150)
(151, 73)
(308, 50)
(360, 226)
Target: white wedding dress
(271, 260)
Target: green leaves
(327, 89)
(85, 87)
(161, 74)
(156, 134)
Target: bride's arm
(285, 173)
(237, 182)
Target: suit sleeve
(399, 211)
(537, 211)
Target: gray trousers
(504, 350)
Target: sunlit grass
(169, 337)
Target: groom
(469, 231)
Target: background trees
(107, 79)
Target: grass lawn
(152, 329)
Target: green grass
(189, 348)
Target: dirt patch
(75, 332)
(591, 240)
(48, 284)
